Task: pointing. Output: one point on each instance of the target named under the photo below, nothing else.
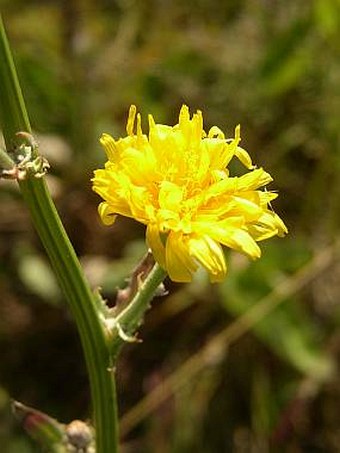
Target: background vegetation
(266, 383)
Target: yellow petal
(155, 243)
(179, 264)
(131, 120)
(237, 239)
(215, 132)
(209, 253)
(281, 227)
(197, 129)
(266, 197)
(184, 117)
(246, 208)
(267, 226)
(170, 196)
(107, 214)
(109, 145)
(244, 157)
(253, 180)
(138, 202)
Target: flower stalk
(14, 119)
(129, 319)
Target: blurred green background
(274, 67)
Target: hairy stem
(131, 317)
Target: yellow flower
(176, 182)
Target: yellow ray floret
(176, 181)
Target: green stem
(130, 318)
(100, 367)
(6, 163)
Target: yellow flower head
(176, 182)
